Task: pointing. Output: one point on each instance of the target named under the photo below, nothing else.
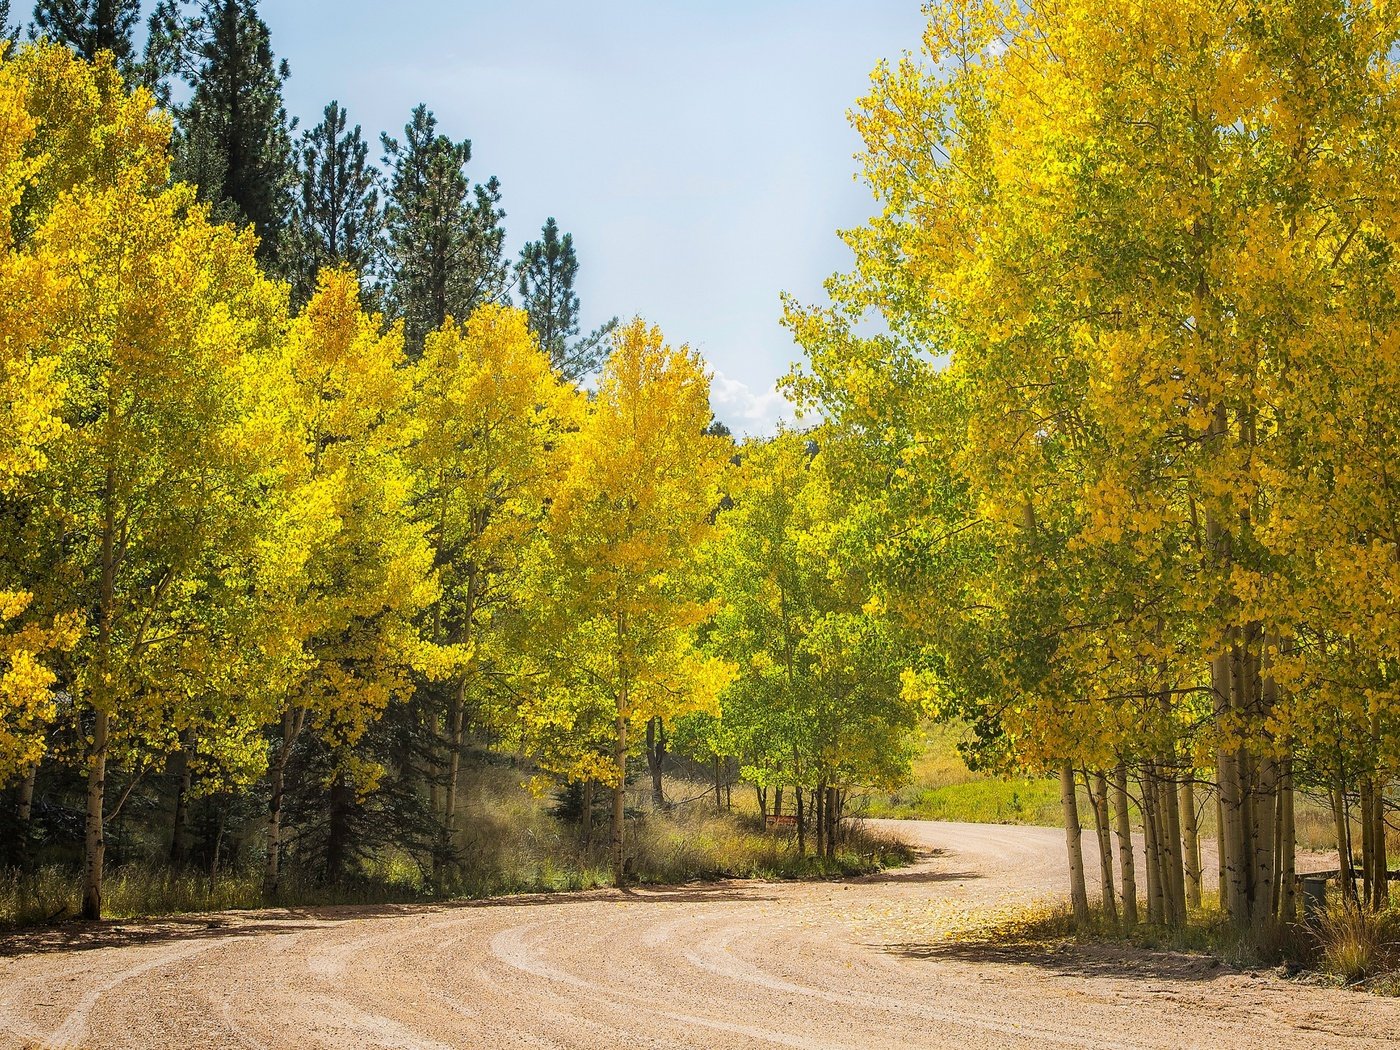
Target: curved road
(878, 962)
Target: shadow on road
(1125, 962)
(916, 873)
(83, 937)
(74, 936)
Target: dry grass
(1353, 947)
(510, 842)
(1357, 946)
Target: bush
(1355, 944)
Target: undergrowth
(1344, 944)
(510, 843)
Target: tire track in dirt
(870, 963)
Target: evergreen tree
(546, 273)
(336, 218)
(233, 138)
(87, 26)
(445, 240)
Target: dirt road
(862, 964)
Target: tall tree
(545, 276)
(445, 243)
(817, 703)
(336, 219)
(363, 571)
(88, 26)
(233, 137)
(620, 580)
(31, 397)
(156, 475)
(1160, 261)
(487, 462)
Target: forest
(311, 498)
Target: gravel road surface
(883, 962)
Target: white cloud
(746, 412)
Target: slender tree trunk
(1098, 795)
(1382, 890)
(1339, 818)
(801, 824)
(777, 802)
(1220, 850)
(24, 812)
(1368, 849)
(95, 844)
(719, 785)
(1151, 834)
(762, 793)
(24, 806)
(1266, 788)
(218, 844)
(819, 818)
(1191, 837)
(1126, 867)
(1079, 895)
(94, 838)
(656, 755)
(833, 821)
(1264, 811)
(1234, 895)
(338, 832)
(180, 825)
(619, 800)
(586, 821)
(1287, 890)
(457, 729)
(1175, 882)
(277, 778)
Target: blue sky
(698, 152)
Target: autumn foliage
(1145, 512)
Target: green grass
(943, 788)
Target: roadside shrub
(1355, 944)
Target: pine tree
(87, 26)
(445, 239)
(233, 140)
(336, 219)
(545, 274)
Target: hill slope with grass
(944, 788)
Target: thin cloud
(745, 411)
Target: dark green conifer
(87, 26)
(336, 218)
(444, 240)
(545, 276)
(233, 139)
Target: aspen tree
(618, 581)
(490, 415)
